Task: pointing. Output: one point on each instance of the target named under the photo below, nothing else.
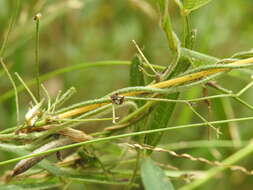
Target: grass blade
(154, 177)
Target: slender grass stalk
(234, 96)
(103, 139)
(84, 65)
(204, 120)
(37, 18)
(11, 24)
(135, 171)
(2, 50)
(144, 58)
(204, 59)
(15, 90)
(233, 127)
(27, 88)
(204, 144)
(163, 84)
(48, 97)
(240, 154)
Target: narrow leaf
(190, 5)
(31, 186)
(136, 76)
(154, 177)
(137, 79)
(161, 114)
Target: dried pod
(75, 135)
(26, 164)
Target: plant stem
(37, 62)
(242, 153)
(103, 139)
(163, 84)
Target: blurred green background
(75, 31)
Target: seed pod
(75, 135)
(26, 164)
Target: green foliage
(31, 186)
(187, 6)
(154, 177)
(136, 76)
(170, 99)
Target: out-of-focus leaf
(171, 36)
(188, 6)
(10, 93)
(31, 186)
(154, 177)
(243, 54)
(194, 4)
(198, 59)
(96, 180)
(24, 33)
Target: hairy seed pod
(26, 164)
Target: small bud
(37, 16)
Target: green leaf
(137, 79)
(96, 180)
(161, 114)
(159, 118)
(194, 4)
(31, 186)
(154, 177)
(187, 6)
(136, 76)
